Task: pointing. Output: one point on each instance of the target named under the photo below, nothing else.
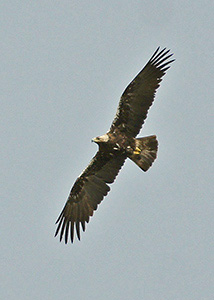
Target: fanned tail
(145, 152)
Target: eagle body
(115, 142)
(118, 144)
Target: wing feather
(139, 95)
(88, 191)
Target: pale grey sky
(64, 65)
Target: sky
(64, 65)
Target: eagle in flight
(118, 144)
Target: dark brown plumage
(115, 146)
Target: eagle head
(101, 139)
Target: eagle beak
(95, 140)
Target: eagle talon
(137, 151)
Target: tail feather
(145, 152)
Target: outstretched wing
(88, 191)
(139, 95)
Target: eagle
(118, 144)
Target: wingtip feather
(78, 230)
